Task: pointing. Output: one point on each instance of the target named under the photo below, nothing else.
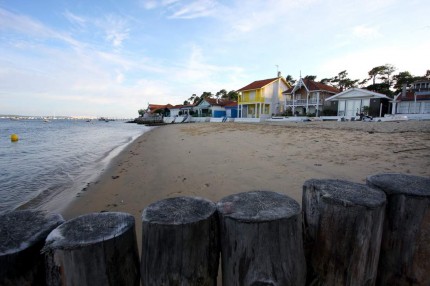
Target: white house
(354, 101)
(415, 100)
(212, 107)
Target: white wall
(174, 112)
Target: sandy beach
(213, 160)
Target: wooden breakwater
(346, 234)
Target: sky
(111, 58)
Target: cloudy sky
(110, 58)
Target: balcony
(303, 102)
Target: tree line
(380, 79)
(230, 95)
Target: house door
(244, 111)
(353, 107)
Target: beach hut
(180, 110)
(354, 101)
(212, 107)
(231, 109)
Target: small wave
(54, 165)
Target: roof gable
(312, 86)
(357, 93)
(214, 102)
(257, 84)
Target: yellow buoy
(14, 138)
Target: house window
(365, 102)
(426, 108)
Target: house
(179, 110)
(211, 107)
(157, 108)
(307, 96)
(354, 101)
(262, 98)
(231, 109)
(416, 99)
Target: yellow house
(262, 98)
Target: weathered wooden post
(180, 242)
(405, 248)
(94, 249)
(22, 236)
(261, 240)
(342, 226)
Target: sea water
(53, 161)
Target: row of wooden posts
(346, 234)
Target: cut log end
(258, 206)
(179, 210)
(345, 193)
(22, 234)
(394, 183)
(180, 242)
(342, 224)
(21, 229)
(89, 229)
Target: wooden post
(180, 242)
(342, 226)
(405, 248)
(94, 249)
(22, 236)
(261, 240)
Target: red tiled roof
(181, 106)
(219, 102)
(257, 84)
(231, 104)
(153, 107)
(290, 90)
(314, 86)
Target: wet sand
(213, 160)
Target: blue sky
(110, 58)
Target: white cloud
(196, 9)
(29, 27)
(363, 31)
(180, 9)
(359, 62)
(116, 29)
(75, 19)
(149, 4)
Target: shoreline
(58, 199)
(213, 160)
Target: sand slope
(213, 160)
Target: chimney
(279, 74)
(404, 90)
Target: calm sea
(53, 161)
